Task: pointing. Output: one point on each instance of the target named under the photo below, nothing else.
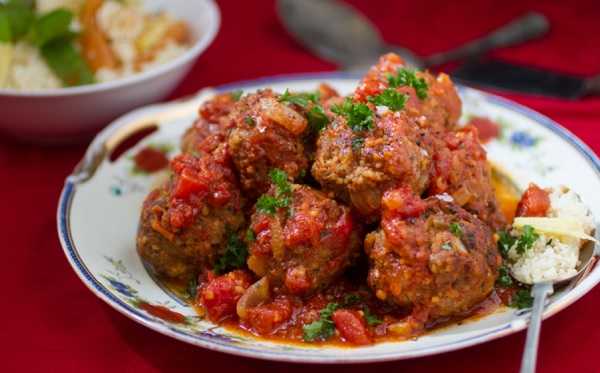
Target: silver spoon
(539, 292)
(337, 32)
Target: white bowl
(69, 113)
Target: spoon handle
(529, 26)
(540, 292)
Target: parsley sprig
(234, 257)
(315, 114)
(456, 229)
(358, 115)
(504, 279)
(391, 98)
(283, 189)
(407, 77)
(522, 243)
(527, 239)
(323, 328)
(522, 299)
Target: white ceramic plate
(100, 204)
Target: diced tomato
(534, 202)
(187, 183)
(150, 160)
(302, 228)
(352, 326)
(220, 294)
(402, 202)
(488, 130)
(220, 195)
(297, 280)
(266, 318)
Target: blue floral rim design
(308, 355)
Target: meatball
(185, 223)
(301, 248)
(431, 256)
(462, 171)
(358, 166)
(437, 110)
(210, 131)
(267, 135)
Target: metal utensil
(507, 76)
(337, 32)
(539, 292)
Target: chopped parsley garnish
(357, 143)
(358, 115)
(317, 119)
(456, 229)
(249, 120)
(505, 242)
(269, 204)
(527, 239)
(234, 257)
(323, 328)
(301, 99)
(280, 179)
(522, 299)
(391, 98)
(406, 77)
(250, 236)
(370, 317)
(236, 95)
(504, 279)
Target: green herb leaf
(249, 120)
(280, 179)
(358, 115)
(391, 98)
(522, 299)
(250, 236)
(456, 229)
(236, 95)
(20, 16)
(504, 279)
(371, 318)
(406, 77)
(317, 119)
(321, 329)
(301, 99)
(5, 30)
(51, 26)
(67, 63)
(527, 239)
(234, 257)
(269, 204)
(505, 243)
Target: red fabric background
(51, 322)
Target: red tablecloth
(51, 322)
